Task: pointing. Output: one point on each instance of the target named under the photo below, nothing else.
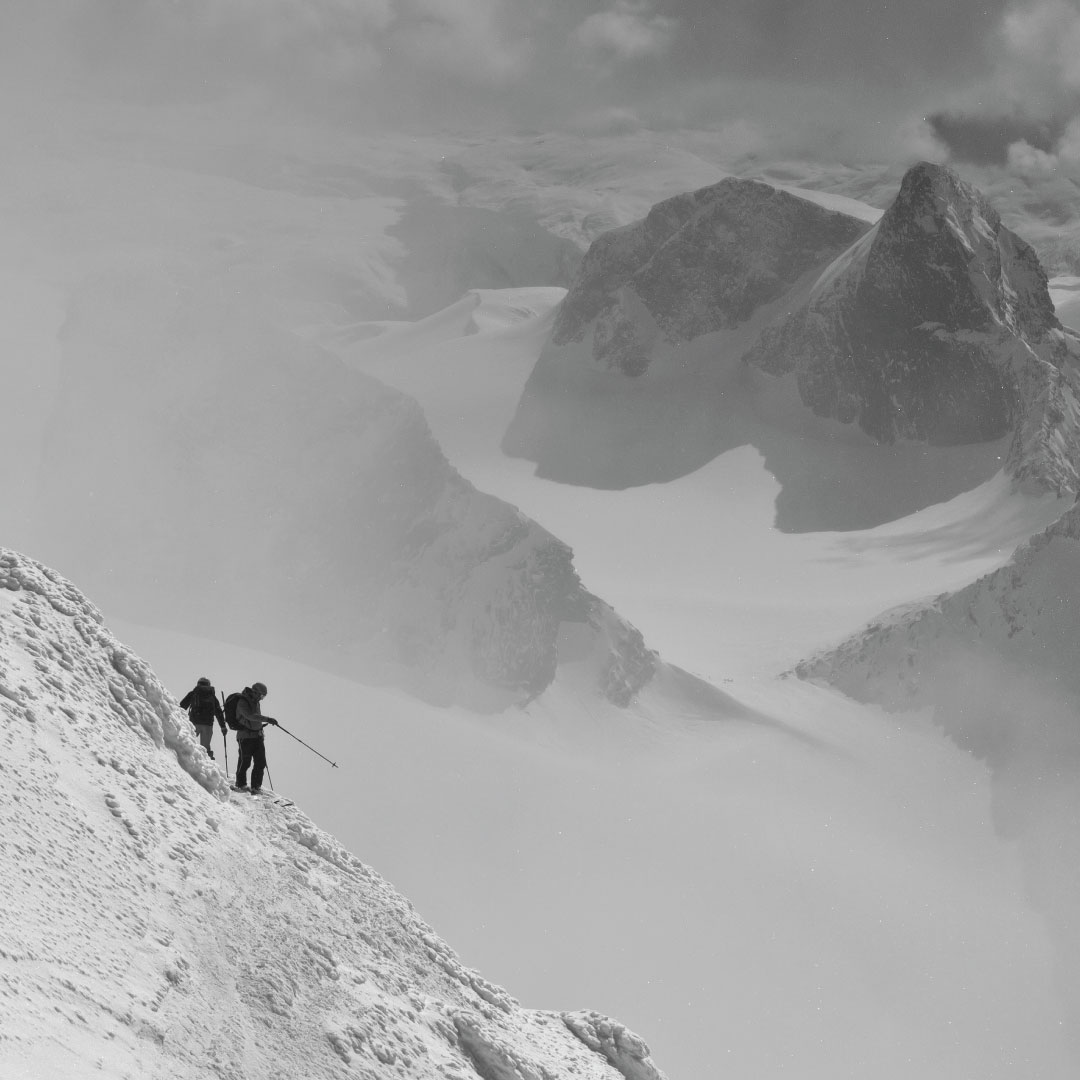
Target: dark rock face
(209, 473)
(923, 331)
(699, 262)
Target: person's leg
(206, 732)
(258, 755)
(244, 753)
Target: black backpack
(203, 705)
(230, 711)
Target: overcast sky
(847, 76)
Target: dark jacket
(249, 717)
(203, 705)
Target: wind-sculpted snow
(208, 471)
(60, 637)
(156, 926)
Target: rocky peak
(937, 327)
(941, 256)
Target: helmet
(259, 688)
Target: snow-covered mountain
(938, 327)
(981, 654)
(157, 925)
(935, 325)
(206, 469)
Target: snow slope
(787, 884)
(157, 926)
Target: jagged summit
(155, 928)
(937, 327)
(942, 255)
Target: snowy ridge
(155, 928)
(1011, 629)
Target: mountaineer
(203, 708)
(249, 735)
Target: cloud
(1029, 161)
(1021, 114)
(1035, 164)
(627, 31)
(984, 138)
(313, 53)
(1039, 44)
(471, 40)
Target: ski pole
(269, 778)
(225, 736)
(302, 743)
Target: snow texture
(157, 927)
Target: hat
(204, 681)
(259, 688)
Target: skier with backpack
(244, 714)
(202, 707)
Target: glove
(270, 720)
(224, 731)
